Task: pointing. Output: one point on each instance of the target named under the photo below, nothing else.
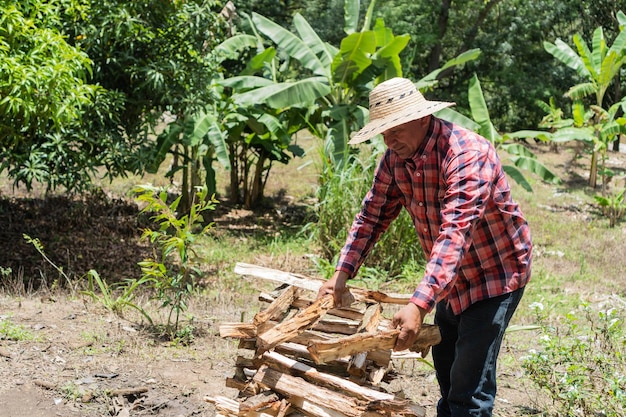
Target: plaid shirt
(474, 235)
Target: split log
(330, 350)
(314, 284)
(294, 387)
(260, 401)
(363, 403)
(302, 321)
(350, 313)
(278, 306)
(349, 345)
(371, 320)
(229, 407)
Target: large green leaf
(302, 93)
(529, 134)
(573, 133)
(591, 60)
(431, 79)
(232, 47)
(351, 15)
(353, 57)
(245, 82)
(479, 110)
(518, 177)
(290, 43)
(323, 50)
(564, 53)
(454, 116)
(260, 61)
(217, 138)
(536, 167)
(518, 149)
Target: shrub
(581, 363)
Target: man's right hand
(337, 287)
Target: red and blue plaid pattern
(474, 235)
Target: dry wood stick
(349, 345)
(257, 402)
(278, 306)
(127, 391)
(231, 407)
(302, 321)
(311, 374)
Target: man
(473, 234)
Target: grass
(15, 332)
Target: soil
(80, 353)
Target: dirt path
(79, 356)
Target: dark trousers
(465, 360)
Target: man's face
(406, 138)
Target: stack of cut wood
(308, 358)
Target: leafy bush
(340, 195)
(581, 363)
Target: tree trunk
(434, 59)
(593, 170)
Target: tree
(155, 55)
(55, 127)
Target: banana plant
(196, 142)
(333, 84)
(521, 157)
(598, 66)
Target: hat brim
(377, 126)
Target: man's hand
(409, 319)
(337, 287)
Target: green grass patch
(16, 332)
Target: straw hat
(392, 103)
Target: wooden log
(278, 276)
(238, 330)
(278, 307)
(244, 330)
(330, 350)
(350, 313)
(294, 387)
(311, 374)
(287, 329)
(314, 284)
(124, 392)
(260, 401)
(349, 345)
(359, 401)
(229, 407)
(371, 319)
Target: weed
(582, 361)
(39, 247)
(106, 295)
(14, 332)
(613, 206)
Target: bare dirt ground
(81, 356)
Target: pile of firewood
(308, 358)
